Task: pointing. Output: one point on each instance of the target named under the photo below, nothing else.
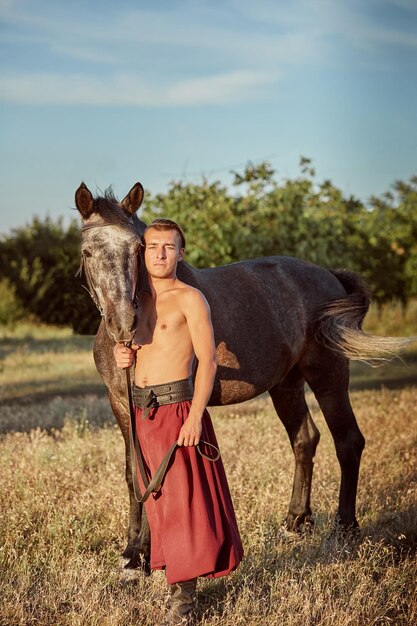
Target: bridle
(83, 267)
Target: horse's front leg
(139, 538)
(138, 547)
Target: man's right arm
(197, 313)
(123, 355)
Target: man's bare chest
(157, 322)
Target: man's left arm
(197, 313)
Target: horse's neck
(188, 274)
(138, 224)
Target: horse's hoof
(343, 531)
(128, 552)
(127, 576)
(138, 564)
(299, 523)
(341, 535)
(123, 561)
(288, 536)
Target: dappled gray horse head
(110, 255)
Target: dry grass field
(64, 503)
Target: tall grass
(392, 318)
(44, 361)
(29, 330)
(64, 515)
(63, 506)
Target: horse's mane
(107, 206)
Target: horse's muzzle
(121, 328)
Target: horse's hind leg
(327, 374)
(289, 401)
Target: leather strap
(133, 438)
(157, 479)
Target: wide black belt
(153, 396)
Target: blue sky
(156, 90)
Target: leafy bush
(259, 216)
(40, 261)
(11, 309)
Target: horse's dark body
(274, 319)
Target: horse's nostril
(121, 326)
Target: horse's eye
(87, 253)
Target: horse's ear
(84, 201)
(133, 200)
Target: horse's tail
(340, 325)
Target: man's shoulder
(186, 291)
(190, 295)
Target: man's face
(162, 252)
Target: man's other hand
(190, 432)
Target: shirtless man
(193, 526)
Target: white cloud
(326, 19)
(6, 5)
(220, 89)
(127, 35)
(214, 51)
(85, 53)
(409, 5)
(132, 90)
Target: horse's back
(272, 279)
(262, 311)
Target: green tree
(206, 212)
(300, 218)
(391, 261)
(258, 215)
(40, 261)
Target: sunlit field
(64, 503)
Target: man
(193, 526)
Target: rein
(90, 289)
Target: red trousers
(192, 521)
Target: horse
(279, 322)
